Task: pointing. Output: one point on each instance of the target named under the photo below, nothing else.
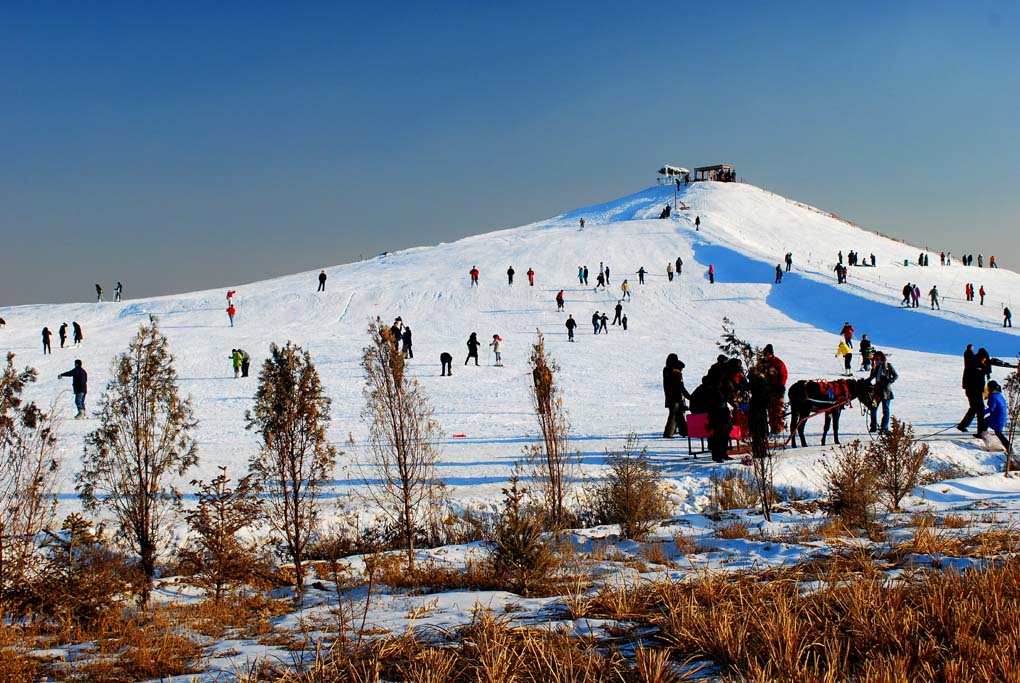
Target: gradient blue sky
(179, 146)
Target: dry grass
(733, 530)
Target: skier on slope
(472, 344)
(844, 351)
(79, 386)
(235, 361)
(474, 276)
(559, 300)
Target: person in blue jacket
(996, 413)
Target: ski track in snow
(611, 383)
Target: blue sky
(181, 146)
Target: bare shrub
(295, 460)
(551, 461)
(1011, 391)
(403, 438)
(29, 465)
(522, 556)
(851, 485)
(144, 439)
(633, 493)
(217, 561)
(898, 459)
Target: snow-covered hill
(612, 382)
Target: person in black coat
(406, 340)
(510, 275)
(77, 335)
(472, 344)
(619, 312)
(79, 385)
(322, 282)
(571, 324)
(62, 332)
(976, 370)
(673, 388)
(446, 361)
(46, 341)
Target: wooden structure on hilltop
(712, 172)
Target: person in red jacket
(981, 293)
(848, 334)
(559, 301)
(531, 277)
(230, 296)
(711, 273)
(777, 376)
(474, 276)
(230, 313)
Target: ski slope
(611, 383)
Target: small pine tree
(552, 462)
(295, 460)
(403, 438)
(217, 559)
(144, 439)
(851, 484)
(1011, 392)
(898, 459)
(521, 555)
(29, 466)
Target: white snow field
(611, 383)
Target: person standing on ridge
(79, 385)
(230, 296)
(559, 300)
(510, 276)
(474, 276)
(76, 333)
(641, 275)
(531, 277)
(405, 341)
(570, 324)
(322, 281)
(675, 391)
(99, 293)
(789, 261)
(62, 333)
(46, 341)
(472, 344)
(118, 291)
(711, 274)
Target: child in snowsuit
(497, 349)
(996, 413)
(844, 350)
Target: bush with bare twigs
(633, 494)
(851, 484)
(898, 459)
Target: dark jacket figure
(510, 275)
(446, 361)
(571, 324)
(46, 341)
(976, 371)
(623, 322)
(596, 322)
(118, 291)
(710, 398)
(245, 362)
(77, 336)
(619, 312)
(607, 275)
(1007, 317)
(697, 223)
(679, 266)
(585, 275)
(865, 349)
(604, 323)
(779, 273)
(882, 376)
(63, 334)
(789, 261)
(641, 275)
(673, 388)
(406, 340)
(600, 281)
(472, 344)
(322, 282)
(79, 385)
(99, 293)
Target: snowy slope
(612, 382)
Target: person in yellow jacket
(625, 288)
(847, 353)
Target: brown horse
(809, 396)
